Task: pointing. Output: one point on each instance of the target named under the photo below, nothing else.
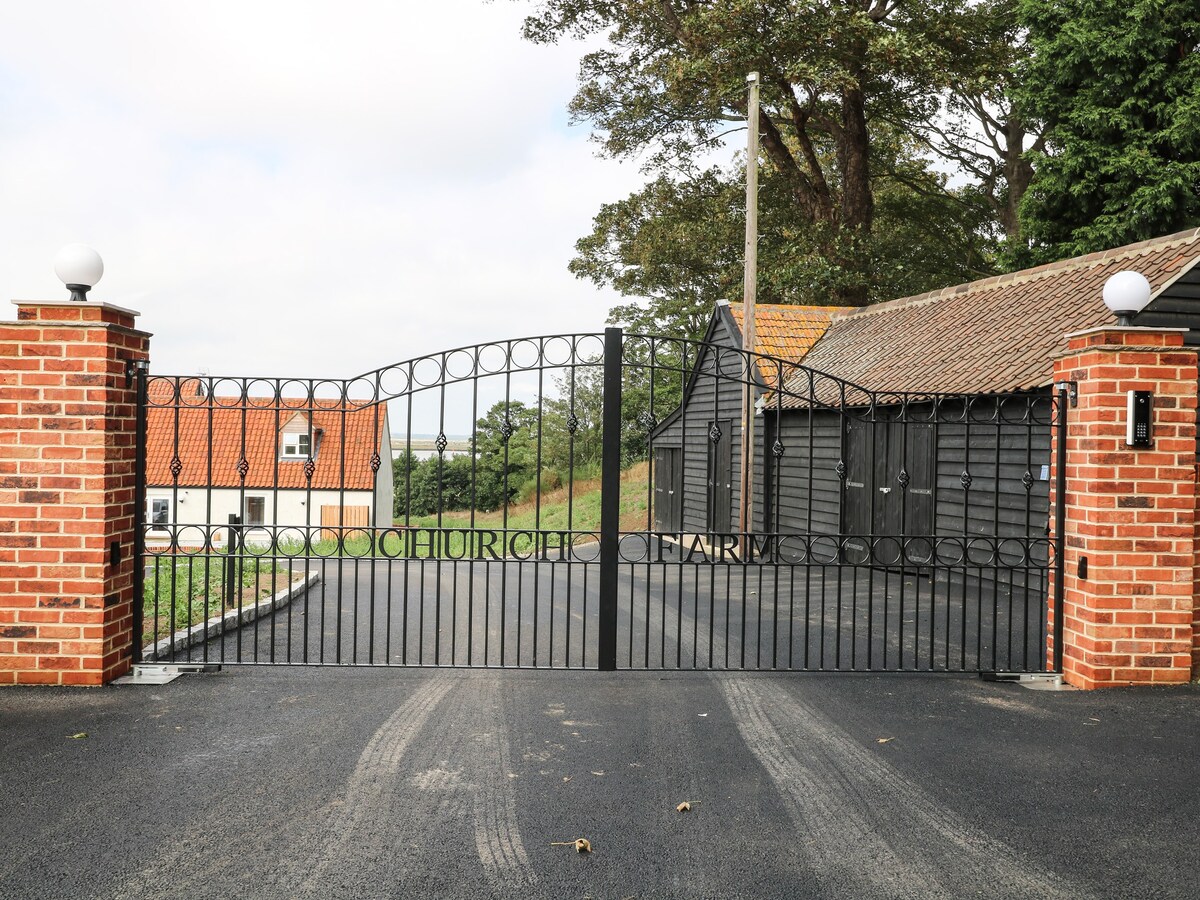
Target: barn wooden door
(859, 484)
(720, 476)
(668, 489)
(889, 487)
(905, 505)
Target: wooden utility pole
(749, 290)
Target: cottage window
(159, 510)
(297, 446)
(256, 510)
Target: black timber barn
(915, 420)
(696, 449)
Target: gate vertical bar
(610, 500)
(1060, 519)
(139, 371)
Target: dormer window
(297, 446)
(299, 439)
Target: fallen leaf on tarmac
(81, 734)
(566, 778)
(582, 845)
(883, 740)
(683, 807)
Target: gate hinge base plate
(1034, 681)
(133, 367)
(165, 674)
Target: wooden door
(720, 476)
(915, 500)
(668, 489)
(889, 487)
(339, 520)
(858, 457)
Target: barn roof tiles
(785, 331)
(999, 334)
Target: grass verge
(181, 591)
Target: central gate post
(610, 500)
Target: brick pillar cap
(1125, 329)
(75, 304)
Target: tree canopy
(838, 80)
(905, 145)
(1117, 86)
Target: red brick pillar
(1130, 512)
(67, 444)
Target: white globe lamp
(79, 267)
(1126, 294)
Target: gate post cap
(1127, 293)
(79, 267)
(78, 264)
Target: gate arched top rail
(401, 379)
(786, 384)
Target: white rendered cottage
(278, 465)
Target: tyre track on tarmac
(870, 832)
(413, 806)
(364, 806)
(497, 835)
(683, 764)
(204, 853)
(429, 805)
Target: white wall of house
(190, 506)
(384, 485)
(283, 506)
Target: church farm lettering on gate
(482, 544)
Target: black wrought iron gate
(576, 501)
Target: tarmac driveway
(405, 783)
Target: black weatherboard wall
(905, 466)
(967, 468)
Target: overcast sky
(300, 188)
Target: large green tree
(978, 128)
(1117, 85)
(678, 244)
(841, 83)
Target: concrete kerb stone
(216, 626)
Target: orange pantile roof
(784, 330)
(995, 335)
(223, 428)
